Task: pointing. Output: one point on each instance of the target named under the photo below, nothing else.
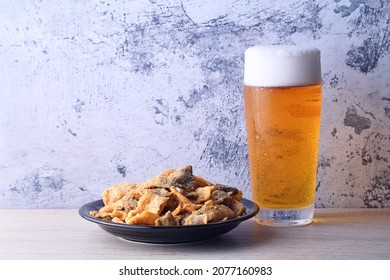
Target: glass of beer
(282, 96)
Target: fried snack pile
(173, 197)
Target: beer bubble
(282, 66)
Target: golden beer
(283, 132)
(282, 97)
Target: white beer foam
(280, 66)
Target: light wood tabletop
(63, 234)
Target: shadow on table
(246, 236)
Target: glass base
(285, 217)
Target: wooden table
(63, 234)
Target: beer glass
(282, 97)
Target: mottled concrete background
(94, 93)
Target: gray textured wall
(94, 93)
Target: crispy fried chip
(196, 219)
(173, 197)
(144, 218)
(167, 220)
(152, 201)
(204, 193)
(116, 192)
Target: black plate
(167, 234)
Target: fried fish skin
(116, 192)
(201, 182)
(235, 205)
(152, 200)
(179, 178)
(195, 219)
(172, 197)
(185, 205)
(144, 218)
(209, 214)
(226, 188)
(167, 220)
